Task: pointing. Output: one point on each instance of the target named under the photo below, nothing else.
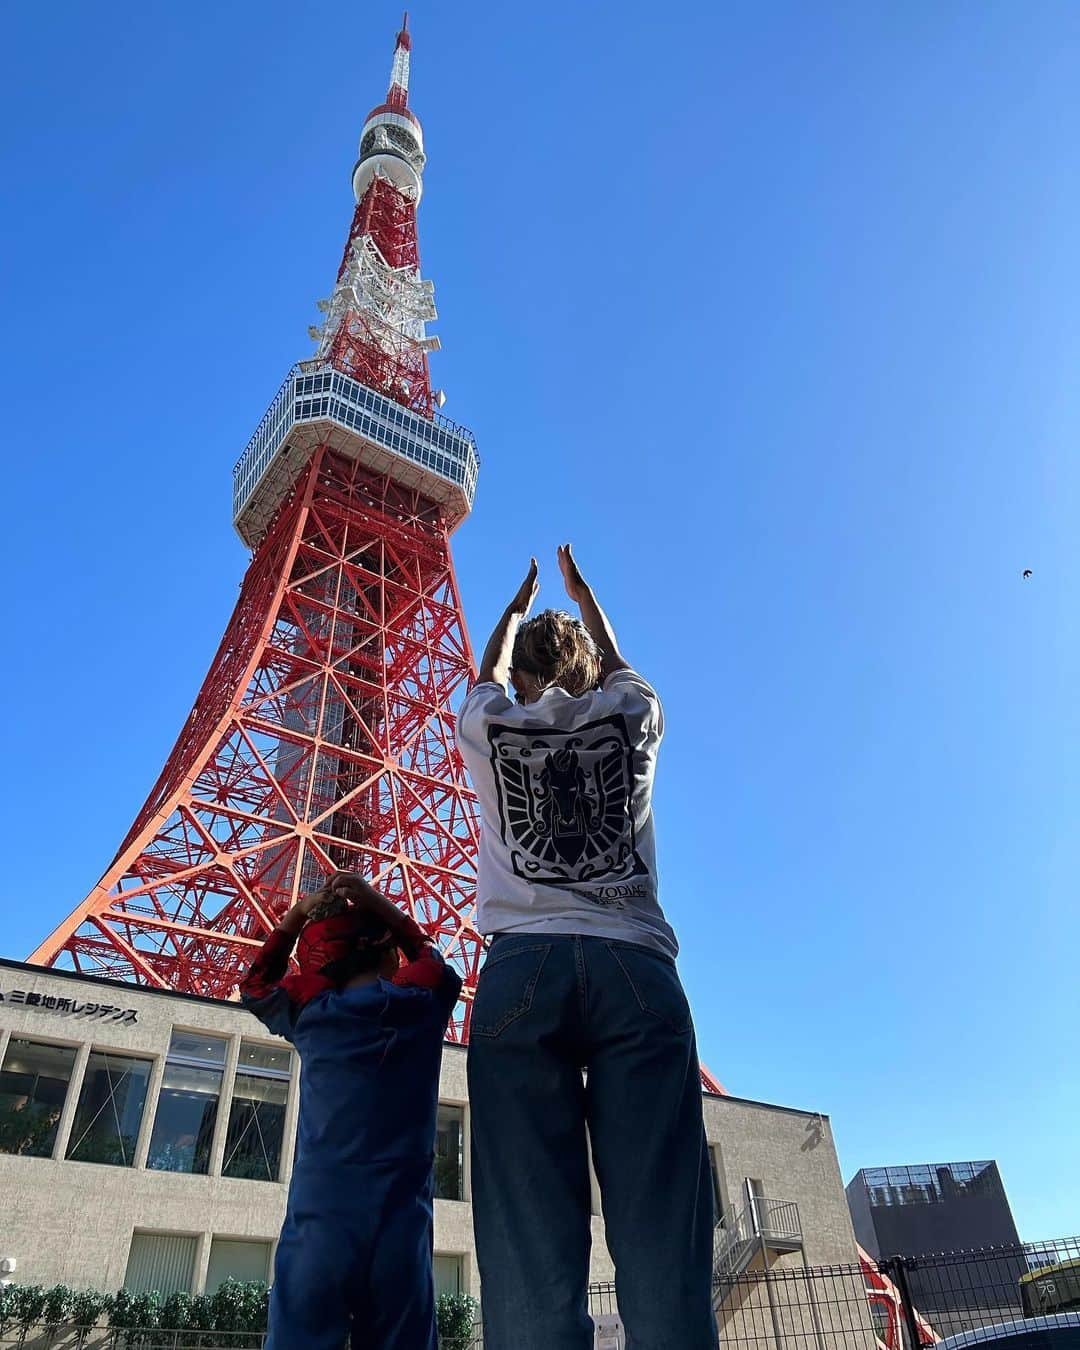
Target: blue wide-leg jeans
(572, 1033)
(354, 1260)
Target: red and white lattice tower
(323, 735)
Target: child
(355, 1248)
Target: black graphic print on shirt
(564, 802)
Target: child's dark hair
(557, 649)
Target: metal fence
(903, 1303)
(955, 1292)
(67, 1337)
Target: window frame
(461, 1259)
(270, 1244)
(283, 1076)
(224, 1092)
(194, 1236)
(462, 1109)
(152, 1061)
(59, 1043)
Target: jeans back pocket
(655, 984)
(506, 986)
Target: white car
(1061, 1331)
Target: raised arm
(405, 931)
(495, 663)
(271, 962)
(424, 966)
(592, 616)
(265, 990)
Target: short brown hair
(557, 649)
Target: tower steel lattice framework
(323, 734)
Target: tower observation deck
(318, 405)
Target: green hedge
(455, 1316)
(235, 1307)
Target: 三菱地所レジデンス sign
(70, 1006)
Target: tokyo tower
(323, 735)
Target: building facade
(930, 1207)
(146, 1139)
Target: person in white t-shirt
(580, 1032)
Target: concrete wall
(793, 1155)
(72, 1222)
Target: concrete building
(146, 1139)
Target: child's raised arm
(263, 990)
(425, 967)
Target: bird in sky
(1027, 573)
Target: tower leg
(323, 737)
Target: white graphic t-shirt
(565, 790)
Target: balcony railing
(742, 1231)
(778, 1220)
(734, 1242)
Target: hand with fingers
(576, 586)
(346, 883)
(353, 887)
(495, 662)
(592, 616)
(526, 593)
(320, 904)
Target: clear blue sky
(771, 308)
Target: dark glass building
(944, 1207)
(932, 1207)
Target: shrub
(200, 1320)
(25, 1303)
(240, 1306)
(176, 1312)
(134, 1314)
(455, 1315)
(57, 1305)
(258, 1305)
(87, 1305)
(202, 1313)
(235, 1307)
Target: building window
(110, 1109)
(33, 1088)
(234, 1259)
(257, 1115)
(449, 1155)
(164, 1262)
(188, 1103)
(449, 1277)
